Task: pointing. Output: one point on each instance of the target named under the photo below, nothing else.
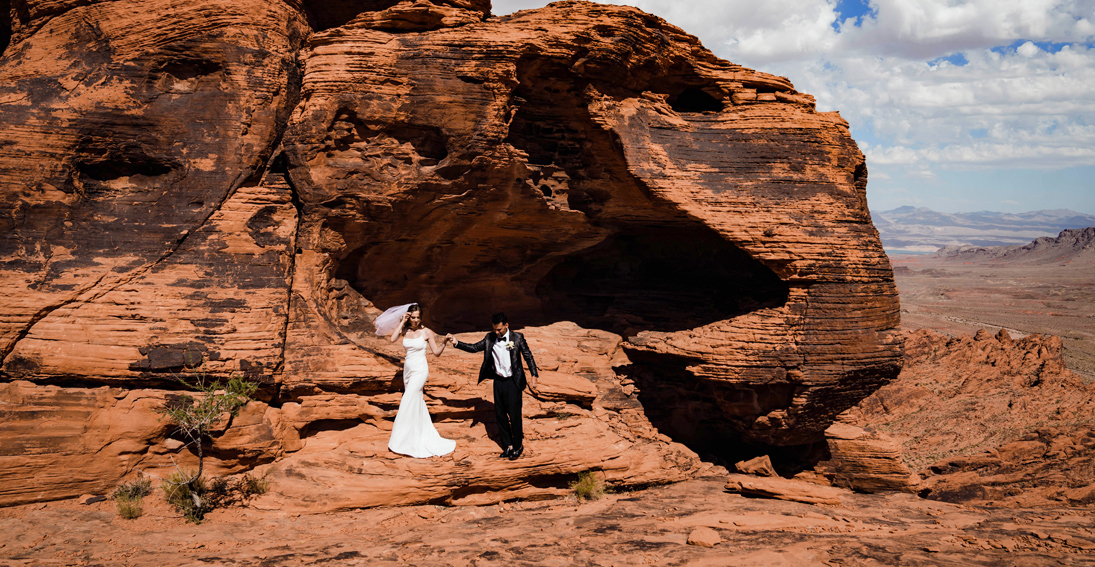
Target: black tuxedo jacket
(486, 346)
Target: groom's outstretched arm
(527, 354)
(472, 347)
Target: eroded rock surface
(242, 187)
(990, 419)
(649, 527)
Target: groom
(501, 364)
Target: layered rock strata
(241, 187)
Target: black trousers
(507, 409)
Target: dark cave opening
(663, 278)
(104, 159)
(693, 412)
(185, 68)
(324, 15)
(429, 142)
(126, 161)
(5, 26)
(694, 99)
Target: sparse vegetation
(249, 486)
(196, 498)
(589, 486)
(187, 493)
(196, 417)
(128, 496)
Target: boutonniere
(510, 345)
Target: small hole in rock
(695, 99)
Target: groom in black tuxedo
(501, 364)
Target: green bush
(128, 496)
(188, 494)
(128, 508)
(589, 486)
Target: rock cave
(684, 241)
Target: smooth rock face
(241, 187)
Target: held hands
(450, 339)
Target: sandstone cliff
(685, 241)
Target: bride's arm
(399, 329)
(433, 343)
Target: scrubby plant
(127, 497)
(196, 416)
(249, 486)
(589, 486)
(187, 492)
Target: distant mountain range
(920, 230)
(1069, 246)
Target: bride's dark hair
(411, 309)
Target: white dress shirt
(502, 364)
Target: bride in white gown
(413, 433)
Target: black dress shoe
(516, 453)
(507, 454)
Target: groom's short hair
(498, 318)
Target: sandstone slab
(785, 489)
(704, 537)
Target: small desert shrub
(137, 488)
(127, 497)
(589, 486)
(248, 485)
(188, 494)
(128, 508)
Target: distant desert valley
(1045, 287)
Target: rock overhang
(576, 157)
(578, 163)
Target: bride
(413, 433)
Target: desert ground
(960, 296)
(650, 527)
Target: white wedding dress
(413, 433)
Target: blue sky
(959, 105)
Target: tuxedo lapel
(514, 362)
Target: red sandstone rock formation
(246, 183)
(989, 419)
